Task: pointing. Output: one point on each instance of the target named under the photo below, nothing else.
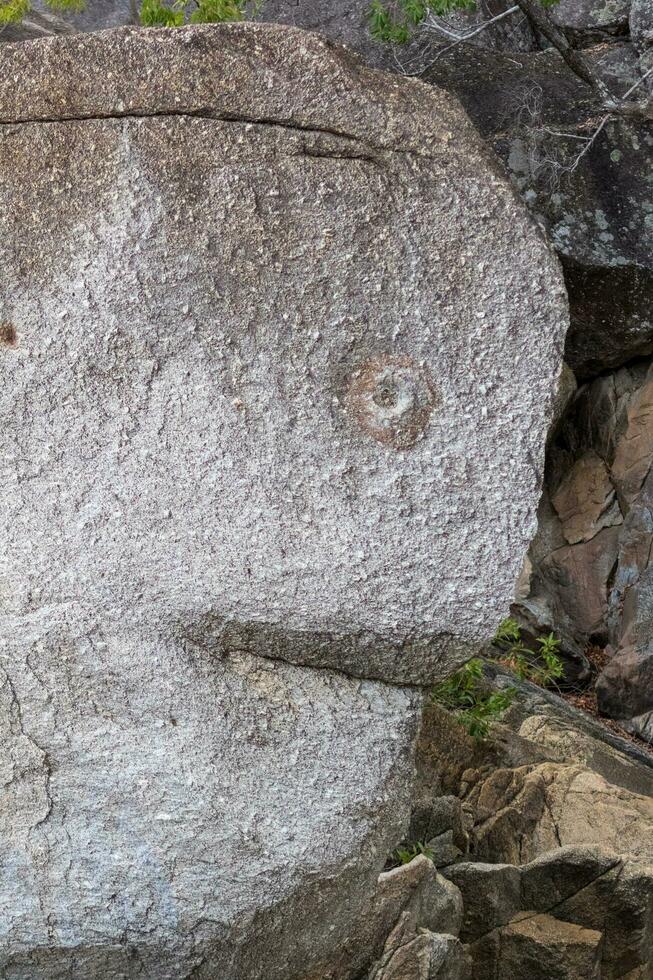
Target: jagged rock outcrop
(594, 206)
(557, 880)
(589, 566)
(259, 356)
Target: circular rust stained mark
(392, 398)
(8, 335)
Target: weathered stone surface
(579, 575)
(588, 20)
(427, 956)
(491, 896)
(437, 820)
(182, 812)
(641, 24)
(618, 760)
(619, 903)
(585, 501)
(280, 343)
(624, 688)
(585, 886)
(36, 24)
(521, 813)
(585, 579)
(408, 901)
(539, 947)
(561, 874)
(595, 207)
(570, 744)
(259, 352)
(434, 904)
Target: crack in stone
(225, 117)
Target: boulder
(97, 15)
(565, 743)
(410, 901)
(345, 477)
(417, 890)
(259, 345)
(36, 24)
(491, 895)
(581, 886)
(590, 574)
(539, 947)
(427, 956)
(587, 21)
(167, 807)
(521, 813)
(618, 903)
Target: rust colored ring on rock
(391, 397)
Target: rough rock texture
(557, 836)
(427, 956)
(589, 568)
(539, 947)
(422, 944)
(491, 895)
(259, 352)
(597, 207)
(567, 744)
(36, 24)
(590, 20)
(521, 813)
(165, 811)
(97, 15)
(641, 24)
(301, 352)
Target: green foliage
(156, 13)
(393, 22)
(13, 11)
(476, 706)
(404, 855)
(543, 667)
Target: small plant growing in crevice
(467, 695)
(404, 855)
(174, 13)
(543, 667)
(394, 23)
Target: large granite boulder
(278, 351)
(301, 345)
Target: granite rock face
(165, 813)
(300, 343)
(277, 364)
